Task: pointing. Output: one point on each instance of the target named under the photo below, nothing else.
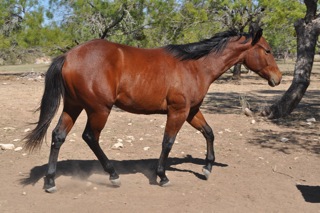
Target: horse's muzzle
(274, 81)
(275, 77)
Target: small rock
(129, 124)
(6, 146)
(9, 128)
(24, 193)
(117, 145)
(146, 148)
(311, 120)
(248, 112)
(227, 130)
(27, 130)
(19, 148)
(162, 126)
(284, 140)
(16, 140)
(119, 140)
(253, 121)
(140, 139)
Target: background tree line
(31, 27)
(292, 28)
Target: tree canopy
(54, 26)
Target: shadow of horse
(311, 194)
(83, 169)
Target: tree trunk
(307, 30)
(236, 72)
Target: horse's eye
(268, 51)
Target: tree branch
(114, 23)
(311, 10)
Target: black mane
(202, 48)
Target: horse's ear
(255, 35)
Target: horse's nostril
(272, 83)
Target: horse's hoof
(115, 182)
(206, 173)
(165, 183)
(51, 190)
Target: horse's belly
(142, 104)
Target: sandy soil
(256, 169)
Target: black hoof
(115, 182)
(51, 190)
(49, 185)
(206, 172)
(165, 182)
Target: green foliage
(237, 14)
(60, 25)
(279, 19)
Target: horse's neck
(217, 64)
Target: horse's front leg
(175, 120)
(197, 120)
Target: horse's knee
(58, 138)
(208, 133)
(87, 136)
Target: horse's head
(259, 59)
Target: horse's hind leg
(67, 119)
(197, 121)
(95, 124)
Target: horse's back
(92, 54)
(100, 54)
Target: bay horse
(171, 80)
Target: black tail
(54, 90)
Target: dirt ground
(261, 165)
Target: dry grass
(24, 68)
